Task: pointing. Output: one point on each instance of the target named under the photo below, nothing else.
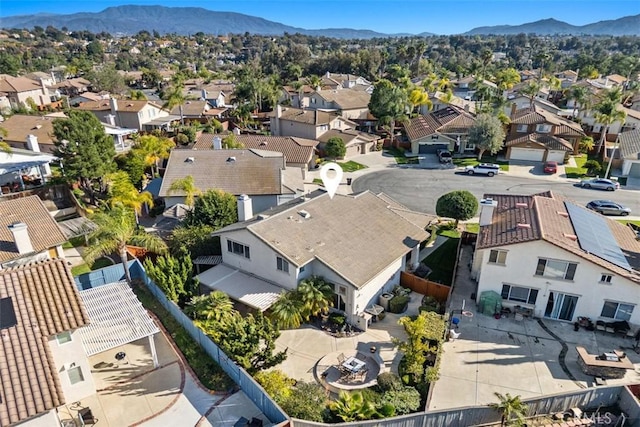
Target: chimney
(245, 210)
(217, 143)
(514, 108)
(21, 237)
(32, 143)
(487, 207)
(114, 105)
(111, 119)
(278, 111)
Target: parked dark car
(444, 155)
(607, 207)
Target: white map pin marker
(331, 183)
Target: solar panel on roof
(7, 314)
(595, 236)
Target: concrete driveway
(535, 170)
(528, 358)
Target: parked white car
(488, 169)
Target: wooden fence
(425, 287)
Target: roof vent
(570, 236)
(38, 126)
(304, 214)
(190, 159)
(522, 205)
(564, 214)
(263, 143)
(231, 160)
(524, 225)
(262, 216)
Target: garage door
(431, 148)
(635, 170)
(526, 154)
(556, 155)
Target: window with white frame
(282, 264)
(75, 375)
(556, 269)
(522, 128)
(519, 294)
(64, 337)
(497, 256)
(617, 310)
(543, 128)
(606, 278)
(238, 249)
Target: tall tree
(187, 187)
(487, 134)
(460, 205)
(580, 96)
(174, 275)
(389, 104)
(175, 98)
(335, 148)
(316, 296)
(154, 149)
(85, 150)
(215, 208)
(116, 229)
(607, 113)
(530, 90)
(287, 311)
(121, 191)
(417, 98)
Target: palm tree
(314, 81)
(417, 98)
(154, 149)
(117, 228)
(580, 97)
(123, 192)
(607, 113)
(175, 98)
(353, 406)
(215, 307)
(530, 90)
(287, 310)
(186, 185)
(316, 296)
(486, 56)
(446, 96)
(510, 407)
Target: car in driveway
(488, 169)
(608, 207)
(600, 184)
(550, 167)
(444, 155)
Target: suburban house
(296, 97)
(518, 102)
(346, 81)
(447, 128)
(126, 113)
(73, 87)
(355, 141)
(349, 103)
(261, 174)
(439, 101)
(22, 129)
(538, 135)
(265, 255)
(192, 110)
(306, 123)
(28, 232)
(19, 163)
(298, 152)
(557, 259)
(567, 78)
(87, 97)
(629, 146)
(594, 128)
(41, 355)
(20, 89)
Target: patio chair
(341, 358)
(85, 416)
(362, 374)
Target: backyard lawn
(472, 161)
(351, 166)
(441, 261)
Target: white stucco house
(629, 145)
(361, 255)
(557, 259)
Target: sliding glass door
(560, 306)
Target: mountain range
(189, 20)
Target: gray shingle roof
(542, 140)
(295, 150)
(251, 172)
(630, 144)
(449, 120)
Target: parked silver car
(607, 207)
(600, 184)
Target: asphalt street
(419, 189)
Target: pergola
(116, 318)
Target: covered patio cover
(8, 167)
(75, 227)
(242, 287)
(116, 317)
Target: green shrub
(398, 304)
(593, 166)
(307, 401)
(389, 381)
(404, 400)
(181, 139)
(337, 319)
(276, 383)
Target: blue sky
(387, 16)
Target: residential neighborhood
(294, 229)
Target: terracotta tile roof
(42, 228)
(449, 120)
(46, 302)
(191, 108)
(542, 140)
(630, 144)
(11, 84)
(311, 117)
(19, 126)
(295, 150)
(124, 105)
(346, 99)
(78, 83)
(537, 115)
(549, 220)
(336, 236)
(253, 172)
(348, 136)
